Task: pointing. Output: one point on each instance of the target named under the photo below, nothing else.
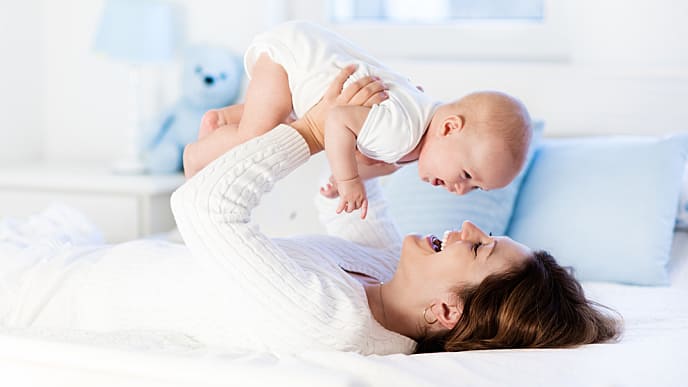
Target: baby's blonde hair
(495, 112)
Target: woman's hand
(366, 91)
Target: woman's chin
(414, 248)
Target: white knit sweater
(230, 287)
(295, 294)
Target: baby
(476, 142)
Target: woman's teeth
(436, 243)
(439, 244)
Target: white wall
(628, 72)
(21, 81)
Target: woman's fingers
(376, 98)
(335, 88)
(329, 191)
(358, 92)
(366, 91)
(353, 89)
(373, 91)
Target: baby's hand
(352, 196)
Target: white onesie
(312, 56)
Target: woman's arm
(213, 213)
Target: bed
(650, 353)
(583, 187)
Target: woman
(358, 289)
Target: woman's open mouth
(435, 243)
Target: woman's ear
(453, 124)
(447, 315)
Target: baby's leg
(215, 143)
(215, 118)
(267, 104)
(268, 99)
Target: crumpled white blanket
(56, 225)
(25, 241)
(650, 351)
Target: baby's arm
(367, 169)
(341, 130)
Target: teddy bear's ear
(212, 76)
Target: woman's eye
(476, 246)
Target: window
(446, 29)
(434, 11)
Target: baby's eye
(466, 175)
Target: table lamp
(137, 32)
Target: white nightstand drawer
(124, 207)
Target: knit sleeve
(376, 230)
(288, 304)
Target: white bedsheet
(651, 353)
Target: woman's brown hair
(536, 305)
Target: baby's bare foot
(212, 119)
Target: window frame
(546, 40)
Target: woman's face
(435, 264)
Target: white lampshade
(137, 32)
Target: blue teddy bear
(211, 79)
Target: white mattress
(651, 353)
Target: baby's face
(463, 161)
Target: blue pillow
(418, 207)
(605, 206)
(682, 216)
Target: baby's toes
(209, 122)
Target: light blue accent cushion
(418, 207)
(605, 206)
(682, 215)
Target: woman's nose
(470, 230)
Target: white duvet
(651, 353)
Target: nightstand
(124, 207)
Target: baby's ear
(453, 123)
